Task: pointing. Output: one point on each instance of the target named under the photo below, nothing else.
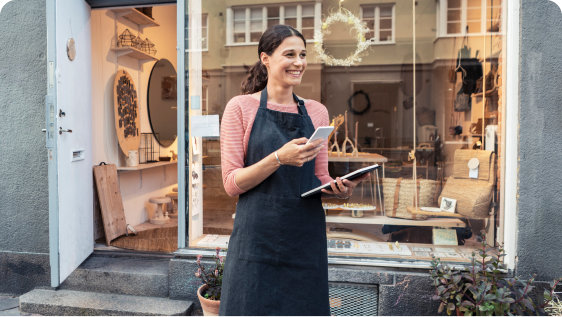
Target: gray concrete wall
(540, 148)
(400, 292)
(24, 239)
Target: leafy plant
(213, 277)
(485, 289)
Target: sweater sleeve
(232, 146)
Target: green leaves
(485, 289)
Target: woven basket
(399, 194)
(474, 197)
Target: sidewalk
(9, 306)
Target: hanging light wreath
(345, 16)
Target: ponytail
(256, 80)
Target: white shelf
(134, 53)
(382, 220)
(135, 16)
(145, 166)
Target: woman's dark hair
(269, 41)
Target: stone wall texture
(540, 141)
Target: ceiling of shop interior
(123, 3)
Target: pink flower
(216, 272)
(218, 250)
(199, 258)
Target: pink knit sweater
(236, 126)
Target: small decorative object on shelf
(127, 39)
(149, 150)
(140, 42)
(148, 47)
(146, 11)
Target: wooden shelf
(145, 166)
(363, 157)
(135, 16)
(134, 53)
(382, 220)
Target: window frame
(376, 17)
(442, 19)
(299, 6)
(510, 148)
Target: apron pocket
(283, 231)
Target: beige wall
(136, 187)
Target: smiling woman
(267, 162)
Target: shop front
(418, 88)
(429, 90)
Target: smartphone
(321, 133)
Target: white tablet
(321, 133)
(349, 176)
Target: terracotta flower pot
(210, 307)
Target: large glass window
(429, 109)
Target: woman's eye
(303, 54)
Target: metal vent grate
(353, 299)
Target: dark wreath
(350, 103)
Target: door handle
(61, 130)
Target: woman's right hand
(296, 152)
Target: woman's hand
(296, 152)
(343, 189)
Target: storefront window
(429, 108)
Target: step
(121, 275)
(78, 303)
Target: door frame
(51, 134)
(51, 143)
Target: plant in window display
(485, 289)
(210, 292)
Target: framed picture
(448, 204)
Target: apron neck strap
(300, 102)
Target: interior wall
(136, 186)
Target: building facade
(404, 79)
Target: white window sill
(255, 43)
(469, 35)
(383, 43)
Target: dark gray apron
(277, 261)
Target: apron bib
(277, 260)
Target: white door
(69, 136)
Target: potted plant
(209, 293)
(485, 289)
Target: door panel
(74, 189)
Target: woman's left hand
(343, 189)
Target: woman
(277, 254)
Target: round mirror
(162, 103)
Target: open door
(69, 136)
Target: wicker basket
(474, 196)
(399, 194)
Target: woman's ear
(264, 59)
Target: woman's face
(285, 67)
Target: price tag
(473, 167)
